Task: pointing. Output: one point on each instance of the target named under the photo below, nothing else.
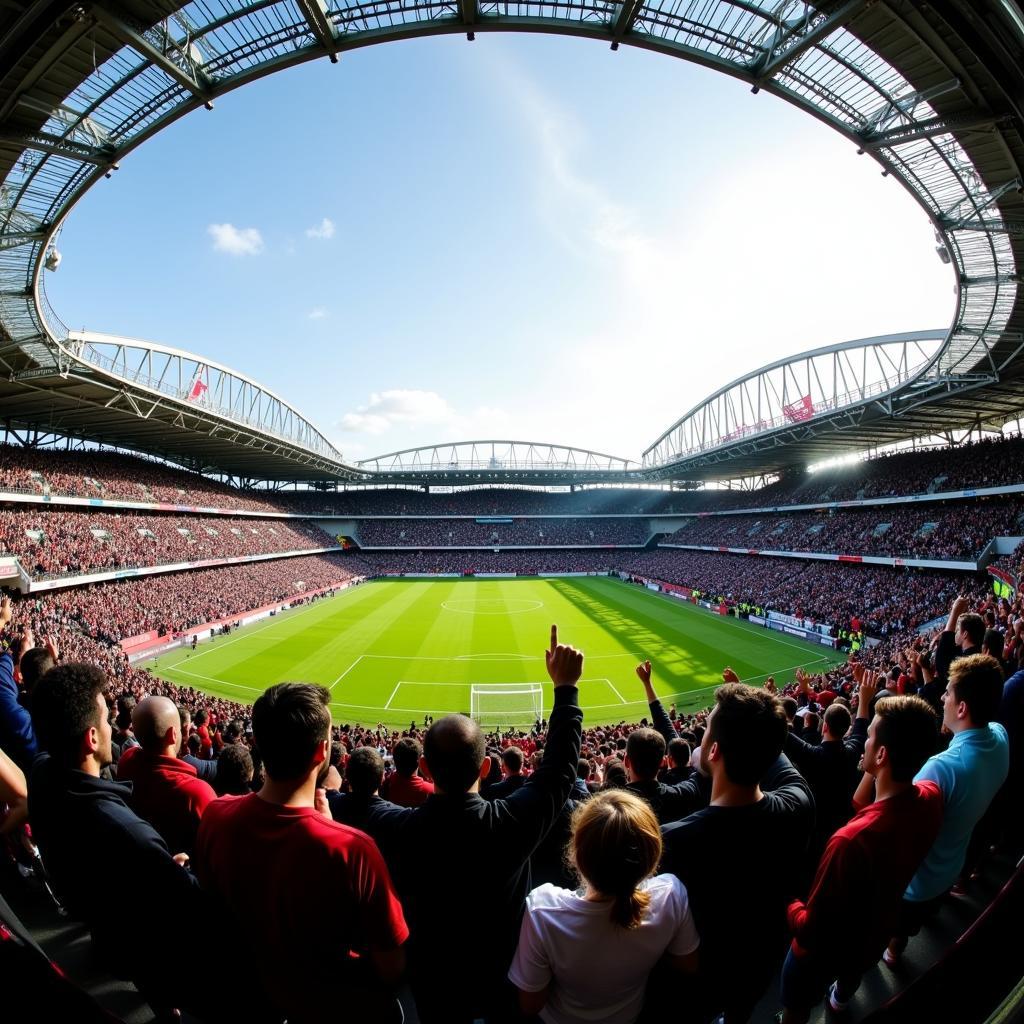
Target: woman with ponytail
(585, 956)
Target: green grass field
(394, 650)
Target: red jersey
(851, 912)
(204, 739)
(167, 792)
(408, 791)
(306, 891)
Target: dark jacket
(17, 737)
(96, 851)
(462, 872)
(206, 770)
(374, 815)
(830, 769)
(946, 652)
(738, 898)
(503, 789)
(671, 802)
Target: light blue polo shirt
(969, 772)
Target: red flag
(198, 389)
(802, 409)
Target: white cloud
(412, 417)
(324, 230)
(317, 313)
(408, 407)
(236, 241)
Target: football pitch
(394, 650)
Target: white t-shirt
(599, 968)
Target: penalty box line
(529, 682)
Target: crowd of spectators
(949, 531)
(92, 473)
(117, 476)
(56, 542)
(414, 533)
(319, 841)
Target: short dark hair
(645, 749)
(977, 680)
(789, 705)
(837, 718)
(454, 748)
(64, 707)
(993, 644)
(749, 726)
(337, 754)
(34, 664)
(289, 722)
(364, 771)
(583, 768)
(407, 754)
(679, 752)
(234, 771)
(233, 731)
(973, 626)
(512, 758)
(908, 728)
(615, 775)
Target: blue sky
(522, 237)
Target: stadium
(497, 729)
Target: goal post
(506, 704)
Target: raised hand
(6, 611)
(643, 671)
(729, 676)
(564, 663)
(866, 692)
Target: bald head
(157, 725)
(454, 749)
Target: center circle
(492, 606)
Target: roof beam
(196, 83)
(951, 125)
(55, 145)
(315, 12)
(625, 19)
(469, 11)
(775, 58)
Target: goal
(506, 704)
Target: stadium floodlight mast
(506, 705)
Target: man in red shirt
(407, 787)
(165, 790)
(842, 929)
(312, 897)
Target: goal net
(506, 704)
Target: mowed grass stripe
(453, 633)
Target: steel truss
(494, 461)
(933, 95)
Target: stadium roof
(934, 93)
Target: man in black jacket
(91, 841)
(512, 775)
(645, 754)
(462, 863)
(962, 637)
(362, 807)
(830, 767)
(759, 801)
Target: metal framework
(934, 93)
(829, 391)
(497, 461)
